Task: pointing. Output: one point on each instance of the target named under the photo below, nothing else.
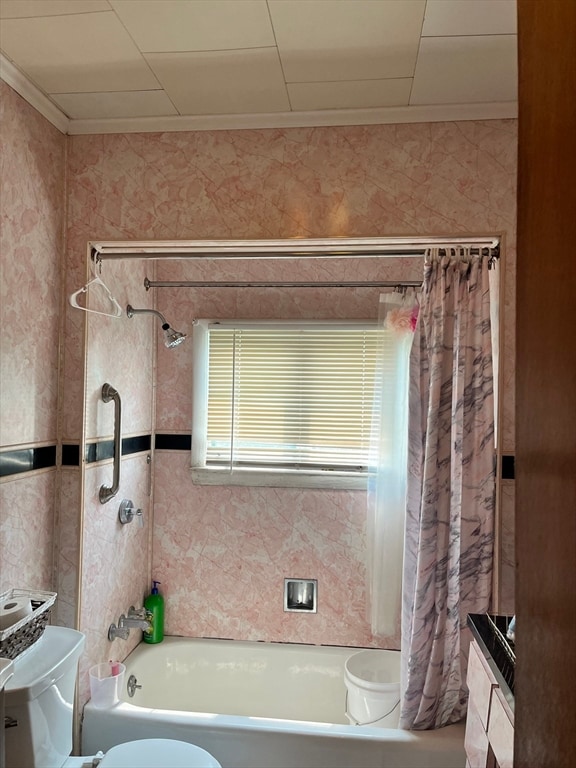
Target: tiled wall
(221, 555)
(115, 564)
(226, 551)
(45, 539)
(222, 558)
(116, 558)
(32, 194)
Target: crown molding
(32, 94)
(416, 114)
(432, 113)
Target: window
(283, 403)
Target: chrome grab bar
(108, 492)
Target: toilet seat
(158, 753)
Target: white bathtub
(258, 705)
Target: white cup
(106, 681)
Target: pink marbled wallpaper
(27, 531)
(116, 558)
(213, 547)
(120, 352)
(426, 178)
(228, 550)
(441, 178)
(32, 179)
(67, 547)
(116, 562)
(32, 194)
(222, 556)
(432, 178)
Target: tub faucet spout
(137, 613)
(136, 619)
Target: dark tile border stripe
(136, 444)
(105, 449)
(184, 443)
(99, 451)
(70, 455)
(508, 468)
(27, 460)
(173, 442)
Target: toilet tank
(39, 700)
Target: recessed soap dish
(301, 595)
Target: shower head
(171, 337)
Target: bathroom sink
(490, 631)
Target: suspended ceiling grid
(272, 61)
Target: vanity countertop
(489, 631)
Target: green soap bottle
(154, 605)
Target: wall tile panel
(222, 559)
(115, 563)
(26, 531)
(32, 192)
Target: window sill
(340, 481)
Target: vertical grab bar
(108, 492)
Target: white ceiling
(104, 65)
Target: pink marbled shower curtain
(451, 487)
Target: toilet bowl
(149, 753)
(39, 705)
(152, 753)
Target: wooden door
(545, 716)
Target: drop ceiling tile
(466, 70)
(323, 40)
(163, 26)
(220, 82)
(14, 9)
(87, 106)
(351, 94)
(76, 54)
(469, 17)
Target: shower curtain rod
(298, 248)
(279, 284)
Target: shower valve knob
(127, 513)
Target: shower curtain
(451, 487)
(386, 499)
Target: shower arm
(130, 311)
(172, 337)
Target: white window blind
(288, 397)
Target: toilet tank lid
(54, 654)
(158, 753)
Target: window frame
(247, 476)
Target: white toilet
(39, 705)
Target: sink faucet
(136, 619)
